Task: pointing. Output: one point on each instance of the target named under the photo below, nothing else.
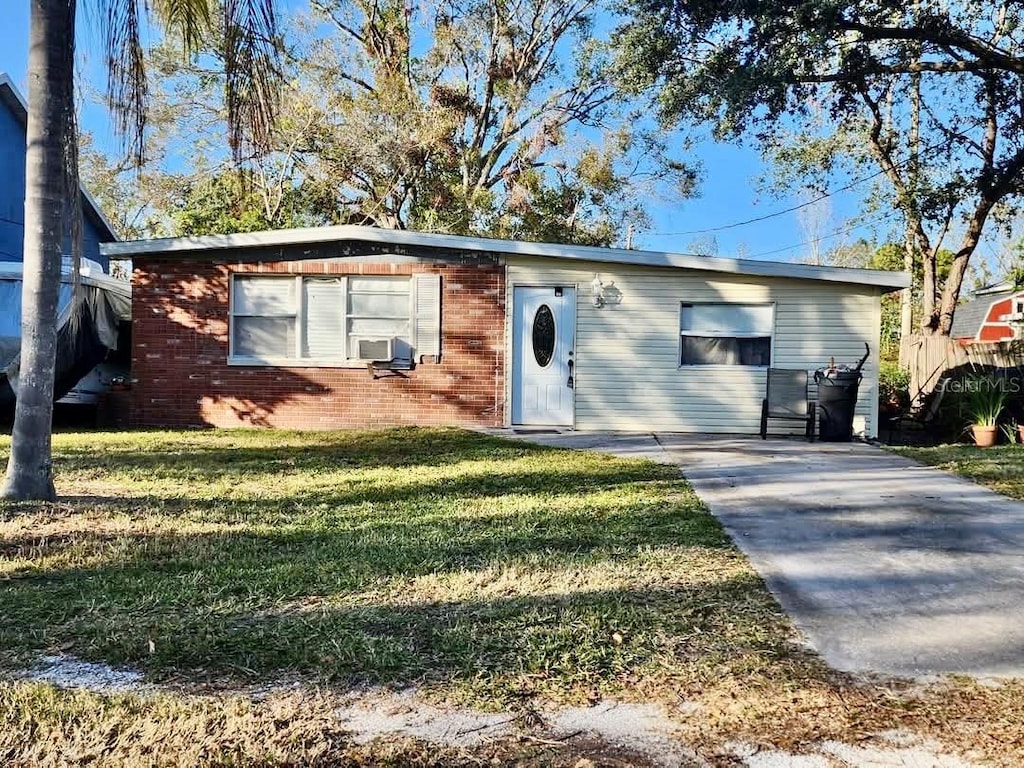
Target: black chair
(787, 398)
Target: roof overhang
(11, 96)
(209, 245)
(13, 270)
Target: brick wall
(180, 351)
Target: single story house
(996, 313)
(352, 326)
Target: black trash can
(837, 398)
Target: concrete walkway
(885, 565)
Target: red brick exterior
(180, 351)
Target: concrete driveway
(887, 566)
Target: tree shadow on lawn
(570, 645)
(215, 454)
(352, 502)
(570, 571)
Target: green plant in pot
(984, 400)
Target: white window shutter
(426, 320)
(325, 318)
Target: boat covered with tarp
(92, 336)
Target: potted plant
(985, 399)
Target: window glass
(730, 319)
(543, 335)
(264, 296)
(378, 304)
(726, 334)
(378, 308)
(330, 314)
(264, 337)
(379, 285)
(377, 327)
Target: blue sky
(726, 195)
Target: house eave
(190, 247)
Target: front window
(265, 314)
(726, 334)
(326, 320)
(378, 310)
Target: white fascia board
(311, 235)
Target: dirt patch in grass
(43, 725)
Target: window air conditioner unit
(375, 349)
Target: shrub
(893, 387)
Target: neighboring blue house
(13, 119)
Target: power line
(818, 199)
(836, 233)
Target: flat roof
(189, 246)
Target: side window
(726, 334)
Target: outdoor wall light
(597, 288)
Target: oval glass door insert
(543, 335)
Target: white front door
(543, 335)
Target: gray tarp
(78, 343)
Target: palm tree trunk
(50, 73)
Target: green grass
(1001, 467)
(483, 568)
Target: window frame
(726, 335)
(299, 315)
(350, 315)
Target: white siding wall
(627, 354)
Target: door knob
(569, 383)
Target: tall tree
(930, 93)
(473, 117)
(52, 198)
(483, 118)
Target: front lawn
(480, 567)
(1001, 468)
(482, 571)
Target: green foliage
(891, 327)
(1016, 277)
(478, 119)
(984, 399)
(906, 79)
(890, 257)
(229, 203)
(893, 386)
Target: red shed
(996, 314)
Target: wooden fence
(929, 357)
